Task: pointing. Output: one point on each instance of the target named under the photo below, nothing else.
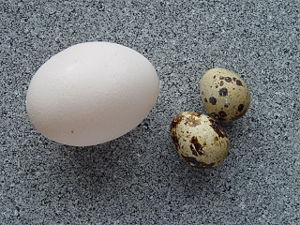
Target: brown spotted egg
(199, 140)
(224, 94)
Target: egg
(91, 93)
(224, 94)
(199, 140)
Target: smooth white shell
(91, 93)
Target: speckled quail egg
(199, 140)
(224, 94)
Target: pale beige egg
(224, 94)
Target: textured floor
(139, 178)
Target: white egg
(91, 93)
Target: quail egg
(199, 140)
(224, 94)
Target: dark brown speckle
(194, 152)
(226, 106)
(223, 92)
(222, 114)
(217, 128)
(240, 107)
(205, 99)
(221, 78)
(211, 120)
(176, 120)
(196, 145)
(239, 83)
(213, 100)
(221, 83)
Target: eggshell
(225, 95)
(91, 93)
(199, 139)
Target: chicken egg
(91, 93)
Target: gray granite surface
(139, 178)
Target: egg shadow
(100, 167)
(202, 176)
(237, 130)
(199, 185)
(109, 167)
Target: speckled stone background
(139, 178)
